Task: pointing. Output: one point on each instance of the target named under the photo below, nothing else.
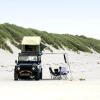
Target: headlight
(33, 68)
(18, 68)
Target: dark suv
(28, 66)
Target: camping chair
(63, 72)
(55, 74)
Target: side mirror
(16, 61)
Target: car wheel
(15, 75)
(41, 75)
(37, 76)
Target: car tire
(41, 74)
(15, 75)
(37, 76)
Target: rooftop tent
(31, 40)
(31, 43)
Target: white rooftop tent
(31, 43)
(31, 40)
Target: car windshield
(27, 58)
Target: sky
(78, 17)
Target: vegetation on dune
(76, 43)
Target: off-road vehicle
(29, 60)
(28, 66)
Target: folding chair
(63, 72)
(55, 74)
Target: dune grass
(74, 42)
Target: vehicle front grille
(25, 73)
(26, 67)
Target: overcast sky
(59, 16)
